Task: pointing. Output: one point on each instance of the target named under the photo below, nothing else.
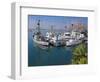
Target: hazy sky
(59, 22)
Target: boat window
(67, 34)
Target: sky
(58, 22)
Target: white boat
(66, 35)
(72, 42)
(38, 38)
(49, 35)
(40, 41)
(73, 34)
(77, 35)
(73, 38)
(56, 40)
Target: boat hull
(73, 43)
(41, 42)
(57, 43)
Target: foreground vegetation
(80, 54)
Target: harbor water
(44, 56)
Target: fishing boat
(57, 41)
(38, 38)
(40, 41)
(54, 38)
(75, 38)
(66, 36)
(49, 36)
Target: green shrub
(80, 54)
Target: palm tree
(80, 54)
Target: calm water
(43, 56)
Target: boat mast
(38, 27)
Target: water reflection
(39, 55)
(40, 46)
